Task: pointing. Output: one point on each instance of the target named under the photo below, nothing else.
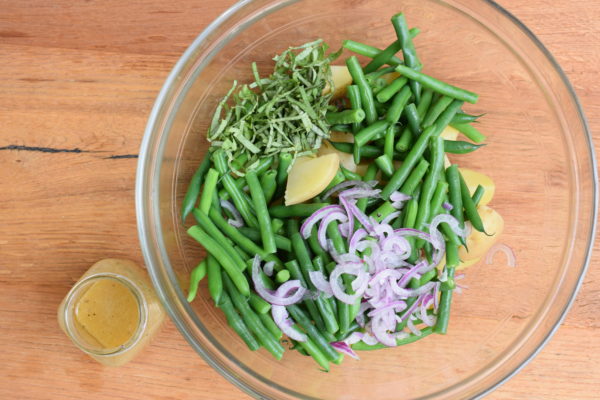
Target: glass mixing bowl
(539, 153)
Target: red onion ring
(501, 247)
(282, 320)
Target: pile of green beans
(396, 121)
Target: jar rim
(76, 292)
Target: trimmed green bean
(366, 94)
(425, 103)
(441, 325)
(439, 195)
(413, 118)
(302, 319)
(349, 175)
(255, 325)
(478, 194)
(268, 182)
(370, 132)
(408, 51)
(296, 210)
(460, 147)
(366, 151)
(353, 93)
(315, 246)
(263, 165)
(259, 304)
(345, 117)
(253, 234)
(226, 260)
(362, 346)
(262, 212)
(383, 57)
(400, 100)
(337, 179)
(368, 51)
(452, 259)
(237, 323)
(216, 202)
(215, 283)
(405, 139)
(390, 90)
(462, 118)
(414, 179)
(311, 348)
(193, 191)
(469, 131)
(196, 276)
(383, 211)
(430, 182)
(454, 193)
(436, 110)
(385, 165)
(333, 232)
(239, 162)
(210, 184)
(271, 326)
(282, 276)
(342, 127)
(277, 225)
(470, 208)
(388, 147)
(285, 161)
(296, 273)
(437, 85)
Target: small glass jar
(112, 312)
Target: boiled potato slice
(341, 79)
(447, 162)
(449, 133)
(478, 242)
(474, 178)
(309, 176)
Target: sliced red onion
(447, 206)
(369, 339)
(414, 272)
(383, 230)
(510, 254)
(402, 292)
(305, 229)
(360, 216)
(359, 193)
(360, 281)
(410, 310)
(380, 277)
(336, 286)
(346, 205)
(381, 324)
(436, 297)
(390, 217)
(448, 219)
(343, 347)
(311, 295)
(347, 184)
(397, 306)
(237, 220)
(411, 326)
(329, 218)
(318, 279)
(281, 317)
(268, 268)
(282, 296)
(399, 196)
(359, 235)
(354, 337)
(425, 304)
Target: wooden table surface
(77, 81)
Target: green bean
(390, 90)
(206, 223)
(414, 179)
(478, 194)
(306, 266)
(210, 184)
(414, 120)
(296, 272)
(277, 225)
(268, 182)
(462, 118)
(239, 183)
(216, 202)
(385, 165)
(259, 305)
(460, 147)
(349, 175)
(302, 319)
(353, 93)
(441, 325)
(383, 57)
(253, 234)
(368, 51)
(369, 176)
(196, 276)
(282, 276)
(236, 323)
(263, 165)
(262, 212)
(265, 338)
(337, 179)
(439, 195)
(333, 232)
(370, 132)
(446, 116)
(383, 211)
(408, 51)
(193, 191)
(398, 103)
(292, 226)
(470, 208)
(470, 132)
(452, 259)
(375, 75)
(271, 326)
(239, 162)
(437, 85)
(436, 110)
(454, 191)
(412, 207)
(215, 283)
(366, 94)
(315, 246)
(221, 255)
(366, 151)
(296, 210)
(313, 350)
(405, 139)
(345, 117)
(360, 346)
(285, 161)
(388, 147)
(423, 105)
(430, 182)
(342, 127)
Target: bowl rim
(144, 155)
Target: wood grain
(77, 81)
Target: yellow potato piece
(474, 178)
(341, 79)
(478, 242)
(447, 162)
(449, 133)
(309, 176)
